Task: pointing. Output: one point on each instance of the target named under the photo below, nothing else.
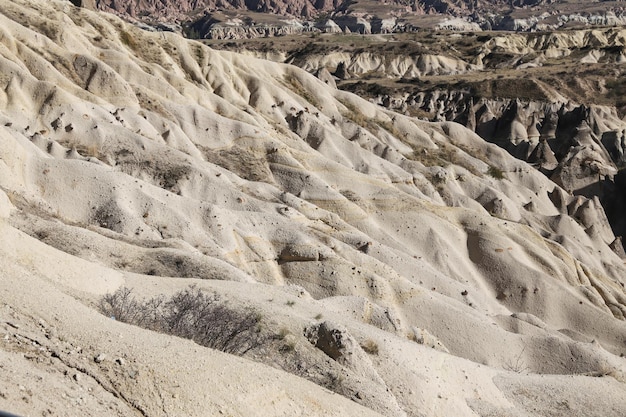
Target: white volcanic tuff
(555, 44)
(586, 143)
(190, 127)
(596, 43)
(156, 176)
(363, 63)
(236, 30)
(547, 22)
(140, 370)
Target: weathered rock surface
(460, 278)
(214, 26)
(356, 65)
(236, 29)
(172, 10)
(557, 139)
(580, 146)
(363, 17)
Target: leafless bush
(191, 314)
(122, 305)
(209, 322)
(517, 364)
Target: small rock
(100, 358)
(57, 124)
(120, 361)
(76, 377)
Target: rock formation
(410, 267)
(169, 9)
(358, 16)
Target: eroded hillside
(409, 266)
(553, 99)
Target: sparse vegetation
(288, 346)
(282, 333)
(297, 87)
(85, 150)
(165, 175)
(128, 40)
(517, 364)
(389, 127)
(192, 314)
(617, 91)
(288, 343)
(495, 172)
(369, 346)
(356, 116)
(347, 225)
(336, 383)
(442, 156)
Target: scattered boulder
(332, 339)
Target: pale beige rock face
(142, 159)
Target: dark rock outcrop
(87, 4)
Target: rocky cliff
(169, 9)
(367, 16)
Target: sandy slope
(141, 159)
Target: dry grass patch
(294, 84)
(85, 150)
(354, 114)
(370, 346)
(442, 156)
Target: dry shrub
(191, 314)
(495, 172)
(296, 86)
(389, 127)
(123, 306)
(444, 155)
(517, 364)
(355, 115)
(369, 346)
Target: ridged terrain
(552, 99)
(234, 19)
(410, 267)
